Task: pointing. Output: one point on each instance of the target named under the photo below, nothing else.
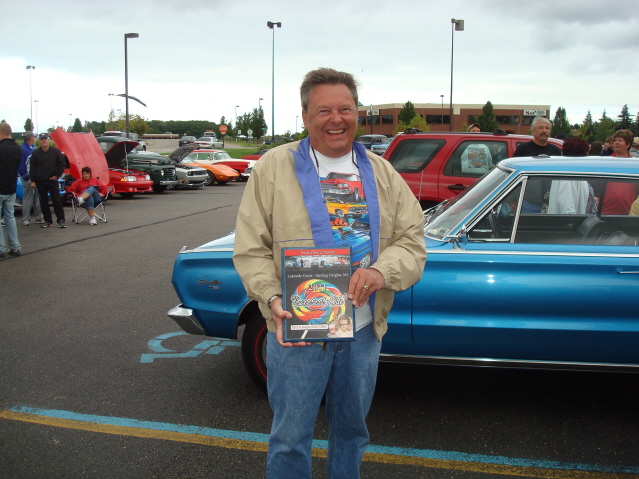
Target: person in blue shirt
(29, 196)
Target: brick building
(511, 118)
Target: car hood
(82, 149)
(182, 152)
(118, 152)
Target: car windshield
(222, 155)
(365, 140)
(342, 176)
(447, 215)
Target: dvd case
(315, 291)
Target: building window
(528, 120)
(437, 119)
(373, 120)
(361, 120)
(387, 119)
(473, 119)
(507, 119)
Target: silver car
(209, 142)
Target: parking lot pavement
(96, 381)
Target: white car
(209, 142)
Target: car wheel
(144, 148)
(126, 195)
(254, 348)
(339, 213)
(159, 188)
(210, 179)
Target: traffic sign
(223, 129)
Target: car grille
(169, 173)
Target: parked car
(20, 193)
(376, 143)
(208, 142)
(132, 136)
(255, 156)
(501, 287)
(221, 157)
(185, 140)
(159, 168)
(219, 173)
(438, 166)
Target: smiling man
(285, 205)
(539, 145)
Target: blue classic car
(535, 265)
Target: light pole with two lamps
(126, 77)
(272, 26)
(30, 67)
(457, 25)
(36, 105)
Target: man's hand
(54, 178)
(278, 314)
(363, 283)
(33, 185)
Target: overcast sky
(198, 59)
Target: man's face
(620, 146)
(44, 143)
(541, 133)
(474, 129)
(331, 120)
(86, 176)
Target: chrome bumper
(185, 320)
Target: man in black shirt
(47, 165)
(10, 154)
(539, 144)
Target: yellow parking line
(262, 446)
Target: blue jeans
(6, 206)
(94, 198)
(297, 380)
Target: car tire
(339, 213)
(210, 179)
(144, 148)
(126, 195)
(159, 189)
(254, 348)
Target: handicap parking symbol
(209, 346)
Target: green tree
(605, 127)
(587, 130)
(624, 120)
(401, 126)
(486, 120)
(257, 123)
(407, 113)
(560, 123)
(77, 126)
(419, 123)
(28, 125)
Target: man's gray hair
(540, 119)
(326, 76)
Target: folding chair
(80, 211)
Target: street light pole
(30, 67)
(259, 103)
(296, 117)
(236, 107)
(111, 95)
(70, 120)
(126, 77)
(36, 105)
(272, 26)
(442, 97)
(459, 26)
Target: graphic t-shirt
(345, 200)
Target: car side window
(498, 223)
(414, 155)
(473, 158)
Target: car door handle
(627, 272)
(456, 187)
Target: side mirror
(463, 235)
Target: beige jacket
(272, 215)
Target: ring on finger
(366, 287)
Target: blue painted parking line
(208, 346)
(431, 458)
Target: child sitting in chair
(90, 191)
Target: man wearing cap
(9, 163)
(29, 196)
(46, 166)
(635, 146)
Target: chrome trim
(208, 250)
(534, 253)
(185, 320)
(510, 363)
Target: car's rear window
(412, 156)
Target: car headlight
(129, 178)
(161, 172)
(147, 177)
